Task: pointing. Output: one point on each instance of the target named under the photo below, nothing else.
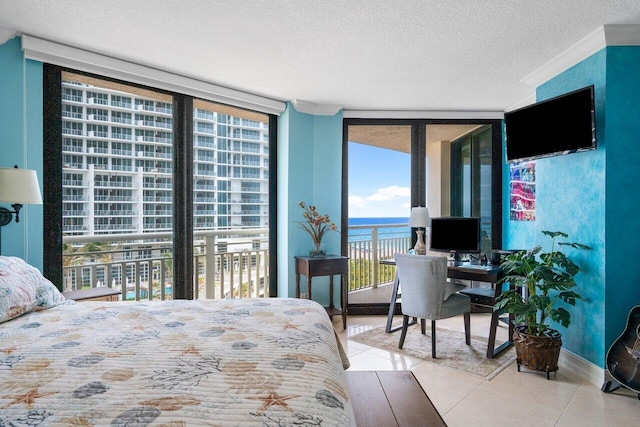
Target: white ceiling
(456, 55)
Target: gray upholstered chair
(426, 294)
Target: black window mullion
(52, 173)
(183, 197)
(475, 175)
(273, 206)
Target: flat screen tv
(455, 235)
(561, 125)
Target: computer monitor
(455, 235)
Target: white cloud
(357, 202)
(384, 202)
(389, 193)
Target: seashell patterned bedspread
(262, 362)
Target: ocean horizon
(378, 220)
(364, 233)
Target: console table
(329, 265)
(480, 297)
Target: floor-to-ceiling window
(379, 188)
(454, 169)
(231, 200)
(146, 189)
(471, 175)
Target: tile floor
(511, 398)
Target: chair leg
(403, 334)
(423, 325)
(433, 339)
(467, 328)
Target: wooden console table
(329, 265)
(480, 297)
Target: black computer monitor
(456, 235)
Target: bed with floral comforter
(267, 362)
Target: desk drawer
(328, 267)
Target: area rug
(451, 350)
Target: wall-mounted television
(561, 125)
(455, 235)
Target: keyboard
(475, 267)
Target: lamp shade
(419, 217)
(19, 186)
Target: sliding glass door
(453, 167)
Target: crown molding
(422, 114)
(622, 35)
(316, 109)
(531, 99)
(6, 35)
(607, 35)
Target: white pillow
(23, 289)
(451, 288)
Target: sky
(379, 182)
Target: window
(103, 185)
(72, 111)
(97, 114)
(471, 181)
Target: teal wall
(589, 196)
(21, 144)
(622, 134)
(309, 170)
(571, 197)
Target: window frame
(183, 212)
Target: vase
(319, 250)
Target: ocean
(362, 232)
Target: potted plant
(539, 284)
(317, 225)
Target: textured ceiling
(462, 55)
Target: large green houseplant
(539, 284)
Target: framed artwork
(522, 191)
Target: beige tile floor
(511, 398)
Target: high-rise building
(118, 161)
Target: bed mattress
(268, 362)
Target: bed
(267, 362)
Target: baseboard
(581, 367)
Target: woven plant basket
(538, 353)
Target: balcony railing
(226, 263)
(368, 245)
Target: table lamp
(18, 187)
(419, 219)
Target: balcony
(226, 262)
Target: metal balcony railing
(229, 263)
(226, 264)
(368, 245)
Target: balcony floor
(381, 294)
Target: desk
(480, 297)
(329, 265)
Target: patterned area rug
(451, 350)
